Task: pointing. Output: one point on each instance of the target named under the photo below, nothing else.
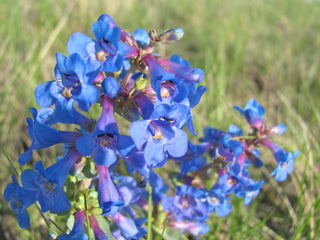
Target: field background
(268, 50)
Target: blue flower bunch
(104, 171)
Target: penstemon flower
(105, 168)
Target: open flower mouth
(106, 139)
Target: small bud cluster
(121, 72)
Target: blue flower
(108, 195)
(195, 228)
(193, 159)
(105, 141)
(103, 54)
(285, 167)
(216, 198)
(129, 228)
(20, 199)
(253, 113)
(162, 133)
(52, 93)
(182, 69)
(44, 136)
(48, 183)
(249, 190)
(186, 205)
(71, 71)
(230, 149)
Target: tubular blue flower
(193, 159)
(108, 195)
(105, 141)
(285, 167)
(77, 230)
(157, 72)
(254, 156)
(161, 134)
(249, 190)
(130, 228)
(48, 183)
(212, 136)
(98, 233)
(20, 199)
(278, 152)
(74, 81)
(128, 190)
(278, 129)
(189, 74)
(44, 136)
(253, 113)
(194, 228)
(51, 93)
(216, 198)
(186, 205)
(230, 149)
(106, 52)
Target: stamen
(102, 55)
(67, 92)
(164, 92)
(230, 181)
(185, 203)
(214, 199)
(158, 134)
(284, 165)
(49, 186)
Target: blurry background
(268, 50)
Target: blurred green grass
(269, 50)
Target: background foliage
(269, 50)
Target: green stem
(164, 229)
(87, 216)
(243, 137)
(11, 164)
(44, 218)
(149, 233)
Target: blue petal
(235, 130)
(46, 202)
(28, 179)
(88, 95)
(154, 152)
(110, 87)
(156, 182)
(179, 146)
(23, 219)
(139, 132)
(142, 38)
(25, 157)
(61, 202)
(86, 144)
(124, 145)
(42, 94)
(104, 156)
(78, 43)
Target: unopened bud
(171, 36)
(153, 34)
(140, 83)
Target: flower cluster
(121, 72)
